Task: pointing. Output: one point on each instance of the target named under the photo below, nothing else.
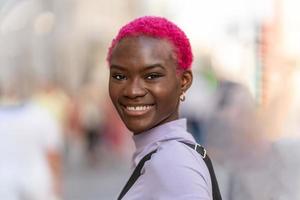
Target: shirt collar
(148, 140)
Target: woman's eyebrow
(153, 66)
(119, 67)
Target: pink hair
(158, 27)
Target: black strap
(135, 175)
(137, 172)
(214, 182)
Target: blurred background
(60, 138)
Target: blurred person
(231, 116)
(55, 100)
(150, 71)
(243, 158)
(74, 141)
(29, 145)
(92, 124)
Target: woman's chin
(137, 128)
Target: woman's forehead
(143, 47)
(141, 42)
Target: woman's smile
(137, 110)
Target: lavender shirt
(175, 171)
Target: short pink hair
(158, 27)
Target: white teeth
(138, 108)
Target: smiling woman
(150, 62)
(144, 86)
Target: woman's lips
(137, 110)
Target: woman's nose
(134, 89)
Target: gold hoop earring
(182, 97)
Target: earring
(182, 97)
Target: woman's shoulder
(178, 156)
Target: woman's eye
(119, 77)
(153, 76)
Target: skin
(145, 84)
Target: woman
(150, 61)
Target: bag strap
(135, 175)
(214, 182)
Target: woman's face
(144, 85)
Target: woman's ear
(186, 80)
